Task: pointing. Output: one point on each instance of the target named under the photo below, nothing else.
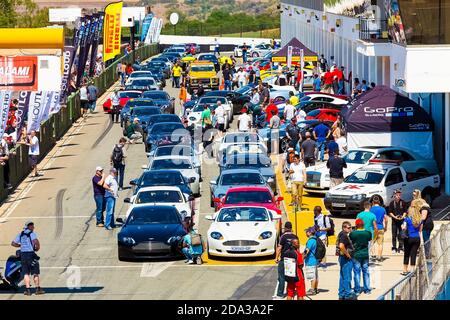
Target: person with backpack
(28, 243)
(192, 247)
(420, 205)
(315, 251)
(283, 246)
(293, 261)
(360, 239)
(324, 228)
(382, 220)
(344, 250)
(118, 160)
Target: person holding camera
(28, 243)
(344, 249)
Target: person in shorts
(311, 263)
(297, 171)
(28, 243)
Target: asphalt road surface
(79, 260)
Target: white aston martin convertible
(242, 231)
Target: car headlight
(128, 240)
(327, 177)
(327, 195)
(216, 235)
(194, 81)
(173, 239)
(265, 235)
(358, 196)
(192, 119)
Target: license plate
(312, 184)
(240, 248)
(338, 205)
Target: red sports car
(124, 96)
(250, 196)
(323, 114)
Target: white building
(409, 53)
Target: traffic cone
(222, 85)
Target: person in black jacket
(397, 211)
(336, 164)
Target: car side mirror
(213, 182)
(191, 179)
(119, 220)
(209, 217)
(191, 198)
(270, 180)
(279, 199)
(133, 183)
(216, 200)
(144, 167)
(127, 200)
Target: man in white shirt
(297, 171)
(220, 116)
(301, 115)
(111, 194)
(115, 106)
(289, 111)
(84, 99)
(242, 78)
(244, 121)
(255, 98)
(33, 152)
(342, 143)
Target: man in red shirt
(328, 81)
(339, 76)
(269, 109)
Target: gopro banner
(112, 31)
(36, 110)
(69, 54)
(22, 111)
(5, 99)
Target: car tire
(211, 203)
(284, 145)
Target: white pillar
(447, 143)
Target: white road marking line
(43, 217)
(164, 264)
(152, 270)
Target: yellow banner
(295, 59)
(112, 30)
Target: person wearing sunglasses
(344, 250)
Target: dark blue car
(143, 113)
(167, 178)
(150, 232)
(161, 99)
(159, 131)
(132, 103)
(159, 118)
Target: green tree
(22, 13)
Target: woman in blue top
(413, 226)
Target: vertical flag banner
(90, 40)
(95, 43)
(151, 31)
(69, 54)
(112, 30)
(146, 26)
(5, 99)
(55, 105)
(36, 109)
(47, 104)
(159, 26)
(82, 54)
(289, 56)
(22, 111)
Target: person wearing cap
(361, 239)
(28, 243)
(98, 184)
(344, 249)
(382, 220)
(118, 158)
(311, 263)
(284, 245)
(397, 211)
(111, 195)
(133, 133)
(293, 132)
(244, 121)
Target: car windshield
(233, 138)
(305, 98)
(157, 196)
(243, 214)
(245, 162)
(366, 177)
(141, 112)
(157, 95)
(201, 107)
(242, 178)
(207, 68)
(207, 58)
(128, 94)
(166, 127)
(249, 197)
(141, 74)
(179, 164)
(212, 100)
(142, 82)
(162, 179)
(244, 89)
(140, 103)
(153, 215)
(358, 157)
(245, 149)
(313, 113)
(164, 118)
(176, 150)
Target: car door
(394, 180)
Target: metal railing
(57, 125)
(373, 30)
(431, 275)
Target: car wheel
(284, 145)
(207, 252)
(211, 203)
(255, 55)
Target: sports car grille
(241, 243)
(150, 246)
(241, 252)
(340, 197)
(313, 177)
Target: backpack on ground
(117, 155)
(321, 250)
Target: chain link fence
(431, 275)
(57, 125)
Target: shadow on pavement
(57, 290)
(65, 155)
(70, 145)
(53, 168)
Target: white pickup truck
(318, 177)
(379, 179)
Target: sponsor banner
(95, 43)
(69, 54)
(55, 103)
(36, 109)
(19, 73)
(151, 31)
(82, 55)
(5, 99)
(289, 57)
(158, 31)
(22, 111)
(146, 26)
(112, 30)
(90, 40)
(295, 59)
(47, 104)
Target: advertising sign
(18, 73)
(22, 110)
(112, 30)
(5, 99)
